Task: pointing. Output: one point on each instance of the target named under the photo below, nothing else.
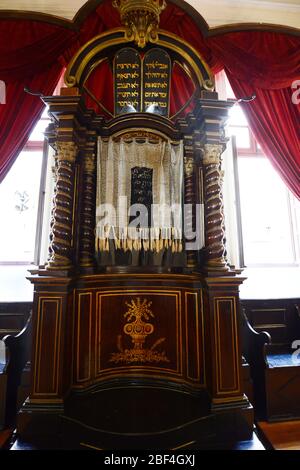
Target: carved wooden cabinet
(146, 353)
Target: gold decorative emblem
(141, 18)
(139, 330)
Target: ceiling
(215, 12)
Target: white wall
(215, 12)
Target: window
(19, 200)
(270, 223)
(269, 212)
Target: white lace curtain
(116, 159)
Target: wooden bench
(13, 317)
(274, 365)
(15, 354)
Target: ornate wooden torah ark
(136, 313)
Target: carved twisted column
(54, 175)
(189, 215)
(214, 209)
(88, 211)
(60, 250)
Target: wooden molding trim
(203, 26)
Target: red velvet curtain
(266, 64)
(275, 123)
(256, 62)
(29, 53)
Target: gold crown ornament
(141, 18)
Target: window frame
(40, 146)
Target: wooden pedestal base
(135, 418)
(136, 361)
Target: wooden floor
(284, 435)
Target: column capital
(66, 151)
(212, 154)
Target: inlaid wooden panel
(138, 331)
(47, 346)
(226, 337)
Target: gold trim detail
(83, 444)
(86, 359)
(197, 339)
(74, 80)
(182, 446)
(139, 135)
(56, 346)
(221, 390)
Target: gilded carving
(141, 18)
(138, 327)
(212, 154)
(188, 166)
(89, 163)
(66, 151)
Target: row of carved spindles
(60, 251)
(88, 210)
(214, 210)
(189, 209)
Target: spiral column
(88, 210)
(214, 209)
(189, 209)
(60, 250)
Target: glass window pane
(242, 136)
(229, 90)
(37, 135)
(45, 113)
(237, 116)
(265, 211)
(19, 197)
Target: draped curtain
(29, 53)
(116, 159)
(266, 64)
(33, 53)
